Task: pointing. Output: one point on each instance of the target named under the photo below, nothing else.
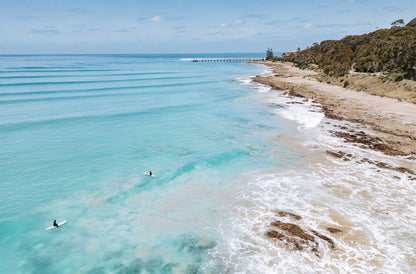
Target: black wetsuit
(150, 173)
(55, 224)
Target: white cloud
(156, 19)
(46, 30)
(307, 26)
(223, 25)
(237, 22)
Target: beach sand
(387, 125)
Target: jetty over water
(224, 60)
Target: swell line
(58, 70)
(152, 111)
(96, 81)
(63, 98)
(156, 110)
(82, 75)
(102, 89)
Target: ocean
(230, 158)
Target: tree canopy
(391, 51)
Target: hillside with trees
(390, 51)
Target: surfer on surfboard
(150, 174)
(55, 225)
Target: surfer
(150, 173)
(55, 224)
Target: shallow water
(78, 133)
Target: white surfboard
(59, 224)
(149, 175)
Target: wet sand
(387, 125)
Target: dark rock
(338, 154)
(295, 243)
(342, 155)
(294, 93)
(387, 166)
(333, 230)
(288, 214)
(294, 230)
(297, 236)
(325, 238)
(371, 142)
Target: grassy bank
(374, 84)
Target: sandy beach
(386, 124)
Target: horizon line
(33, 54)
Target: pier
(224, 60)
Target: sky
(187, 26)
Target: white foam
(300, 110)
(245, 80)
(377, 223)
(373, 206)
(267, 71)
(302, 115)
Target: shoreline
(386, 125)
(361, 172)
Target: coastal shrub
(346, 84)
(398, 77)
(390, 51)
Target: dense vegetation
(391, 51)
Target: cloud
(269, 36)
(288, 21)
(79, 11)
(126, 29)
(274, 22)
(214, 33)
(156, 19)
(46, 30)
(254, 16)
(333, 25)
(307, 26)
(236, 22)
(174, 18)
(159, 18)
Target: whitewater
(232, 159)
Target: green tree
(269, 54)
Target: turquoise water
(77, 133)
